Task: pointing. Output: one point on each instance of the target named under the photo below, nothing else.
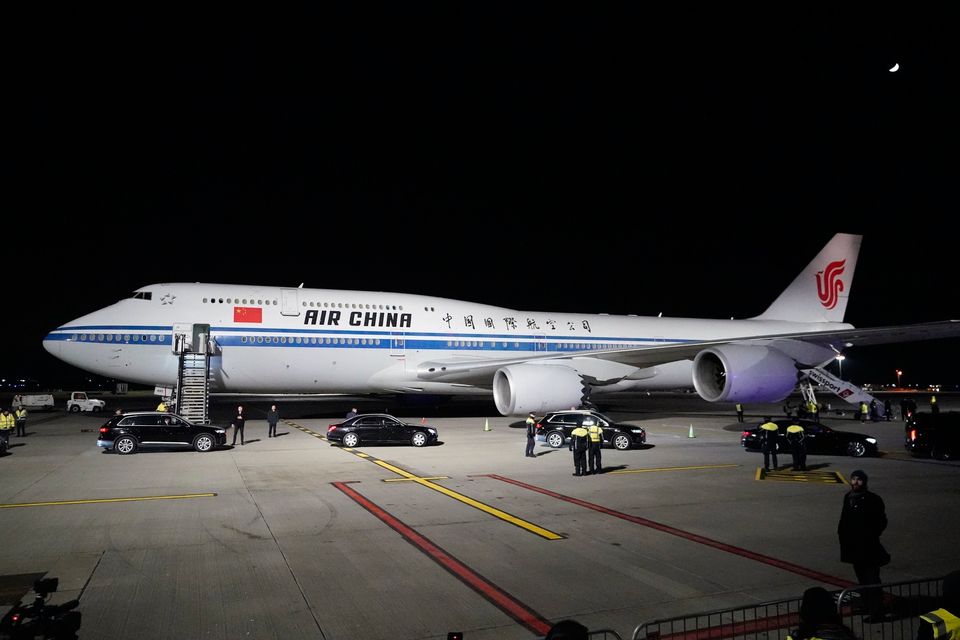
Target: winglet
(820, 292)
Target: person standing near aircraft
(579, 444)
(768, 443)
(237, 424)
(862, 520)
(6, 426)
(21, 418)
(595, 435)
(273, 417)
(351, 413)
(162, 406)
(531, 435)
(934, 408)
(798, 447)
(739, 412)
(863, 411)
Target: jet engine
(522, 388)
(743, 373)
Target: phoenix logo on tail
(829, 284)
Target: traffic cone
(690, 435)
(486, 425)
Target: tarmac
(293, 537)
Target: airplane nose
(52, 345)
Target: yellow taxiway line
(103, 500)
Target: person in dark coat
(769, 432)
(798, 446)
(531, 435)
(819, 618)
(273, 417)
(862, 520)
(579, 442)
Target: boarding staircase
(193, 386)
(847, 392)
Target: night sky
(602, 160)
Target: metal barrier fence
(896, 617)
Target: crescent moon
(895, 67)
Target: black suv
(555, 428)
(934, 434)
(127, 433)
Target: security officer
(6, 425)
(21, 418)
(768, 443)
(863, 411)
(934, 408)
(578, 444)
(531, 434)
(798, 447)
(943, 622)
(739, 412)
(595, 435)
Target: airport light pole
(840, 359)
(899, 373)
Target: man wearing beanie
(862, 520)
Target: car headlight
(871, 440)
(221, 430)
(432, 431)
(637, 430)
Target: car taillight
(332, 427)
(913, 434)
(104, 430)
(744, 434)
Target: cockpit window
(142, 295)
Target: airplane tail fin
(820, 292)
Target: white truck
(33, 401)
(80, 402)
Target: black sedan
(380, 428)
(126, 434)
(555, 428)
(819, 438)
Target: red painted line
(734, 629)
(520, 612)
(722, 546)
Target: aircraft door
(541, 343)
(182, 337)
(398, 344)
(288, 302)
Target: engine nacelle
(522, 388)
(743, 373)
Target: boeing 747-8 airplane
(285, 340)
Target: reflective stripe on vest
(946, 626)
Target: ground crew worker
(943, 622)
(933, 405)
(20, 415)
(813, 410)
(162, 406)
(798, 447)
(863, 411)
(6, 425)
(768, 443)
(739, 412)
(531, 435)
(578, 444)
(595, 435)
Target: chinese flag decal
(247, 314)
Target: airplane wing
(479, 370)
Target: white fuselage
(274, 340)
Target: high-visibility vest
(946, 626)
(933, 399)
(739, 407)
(595, 433)
(161, 407)
(21, 414)
(6, 421)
